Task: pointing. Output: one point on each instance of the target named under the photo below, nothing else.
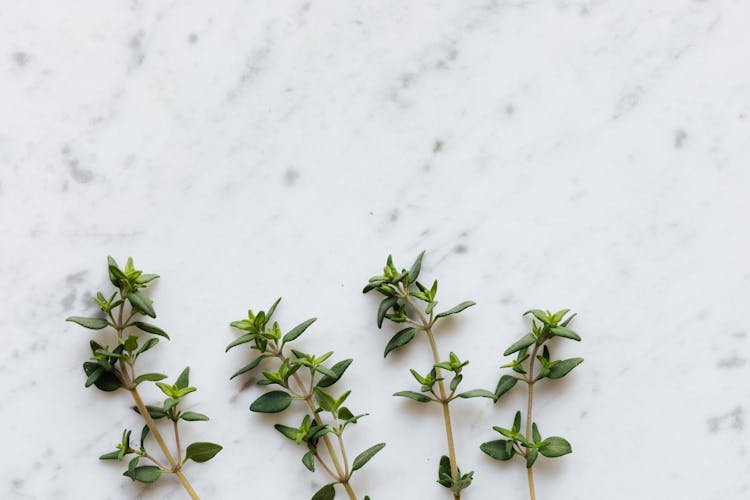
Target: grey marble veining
(588, 154)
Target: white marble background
(588, 154)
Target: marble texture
(589, 154)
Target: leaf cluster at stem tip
(112, 366)
(303, 377)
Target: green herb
(304, 377)
(410, 303)
(112, 367)
(529, 445)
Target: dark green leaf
(250, 366)
(112, 263)
(327, 492)
(309, 460)
(535, 434)
(562, 331)
(94, 376)
(500, 449)
(366, 455)
(192, 416)
(156, 412)
(457, 309)
(522, 343)
(147, 345)
(384, 307)
(564, 367)
(90, 323)
(272, 402)
(112, 455)
(202, 452)
(416, 268)
(325, 400)
(416, 396)
(183, 381)
(290, 432)
(531, 458)
(142, 303)
(400, 339)
(148, 328)
(298, 330)
(272, 309)
(339, 369)
(506, 383)
(327, 372)
(444, 472)
(555, 446)
(517, 422)
(241, 340)
(538, 314)
(107, 381)
(151, 377)
(477, 393)
(144, 473)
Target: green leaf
(554, 446)
(477, 393)
(191, 416)
(272, 402)
(151, 377)
(202, 452)
(384, 307)
(272, 309)
(444, 472)
(416, 268)
(290, 432)
(561, 331)
(499, 449)
(144, 473)
(298, 330)
(148, 328)
(522, 343)
(325, 400)
(156, 412)
(366, 455)
(564, 367)
(457, 309)
(339, 369)
(183, 381)
(538, 314)
(250, 366)
(112, 455)
(248, 337)
(517, 422)
(535, 434)
(533, 454)
(90, 323)
(416, 396)
(400, 339)
(327, 492)
(327, 372)
(147, 345)
(308, 459)
(142, 303)
(94, 376)
(506, 383)
(106, 381)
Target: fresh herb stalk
(529, 445)
(402, 294)
(304, 377)
(112, 368)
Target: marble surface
(588, 154)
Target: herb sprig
(401, 304)
(529, 445)
(112, 367)
(304, 377)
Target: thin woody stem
(529, 417)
